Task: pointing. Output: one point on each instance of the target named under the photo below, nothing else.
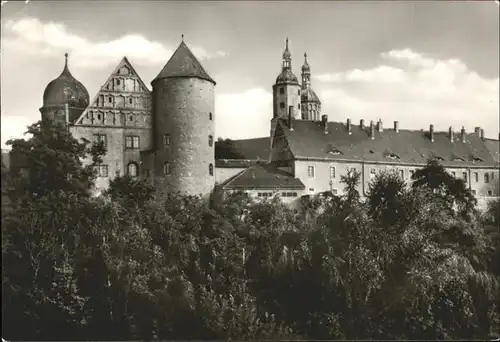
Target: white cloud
(14, 127)
(30, 35)
(416, 90)
(243, 115)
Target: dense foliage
(411, 262)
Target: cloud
(416, 90)
(243, 115)
(30, 35)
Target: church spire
(306, 73)
(287, 57)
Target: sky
(419, 63)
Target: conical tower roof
(183, 64)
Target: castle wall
(184, 110)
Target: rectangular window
(402, 174)
(167, 168)
(310, 171)
(311, 189)
(294, 194)
(492, 176)
(476, 177)
(131, 142)
(101, 138)
(101, 170)
(486, 177)
(332, 171)
(473, 192)
(490, 193)
(464, 176)
(166, 140)
(210, 140)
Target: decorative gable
(123, 100)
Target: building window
(490, 193)
(298, 105)
(411, 173)
(492, 176)
(464, 176)
(132, 170)
(310, 171)
(110, 99)
(167, 168)
(101, 170)
(402, 174)
(332, 171)
(210, 140)
(130, 118)
(473, 192)
(282, 90)
(282, 104)
(298, 92)
(486, 177)
(130, 100)
(476, 177)
(211, 169)
(131, 141)
(210, 116)
(117, 82)
(101, 138)
(311, 189)
(166, 140)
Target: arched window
(210, 140)
(167, 168)
(132, 170)
(211, 169)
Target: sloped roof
(308, 141)
(263, 176)
(494, 149)
(247, 149)
(183, 64)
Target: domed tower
(286, 91)
(183, 126)
(64, 98)
(310, 103)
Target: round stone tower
(183, 121)
(64, 98)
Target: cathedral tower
(286, 91)
(310, 103)
(183, 134)
(64, 98)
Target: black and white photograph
(250, 170)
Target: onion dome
(66, 89)
(306, 67)
(308, 95)
(287, 77)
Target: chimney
(396, 126)
(324, 123)
(482, 134)
(290, 117)
(372, 130)
(349, 129)
(450, 133)
(477, 130)
(362, 124)
(380, 128)
(431, 132)
(462, 134)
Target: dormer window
(475, 159)
(333, 150)
(458, 159)
(372, 151)
(392, 156)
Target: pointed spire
(66, 68)
(287, 57)
(182, 37)
(286, 43)
(306, 68)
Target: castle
(166, 136)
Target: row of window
(487, 176)
(132, 170)
(167, 168)
(283, 194)
(131, 141)
(282, 91)
(167, 140)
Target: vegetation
(411, 262)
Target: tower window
(132, 169)
(282, 104)
(210, 140)
(167, 168)
(298, 92)
(166, 140)
(211, 169)
(210, 116)
(132, 142)
(282, 90)
(110, 99)
(130, 100)
(299, 105)
(117, 82)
